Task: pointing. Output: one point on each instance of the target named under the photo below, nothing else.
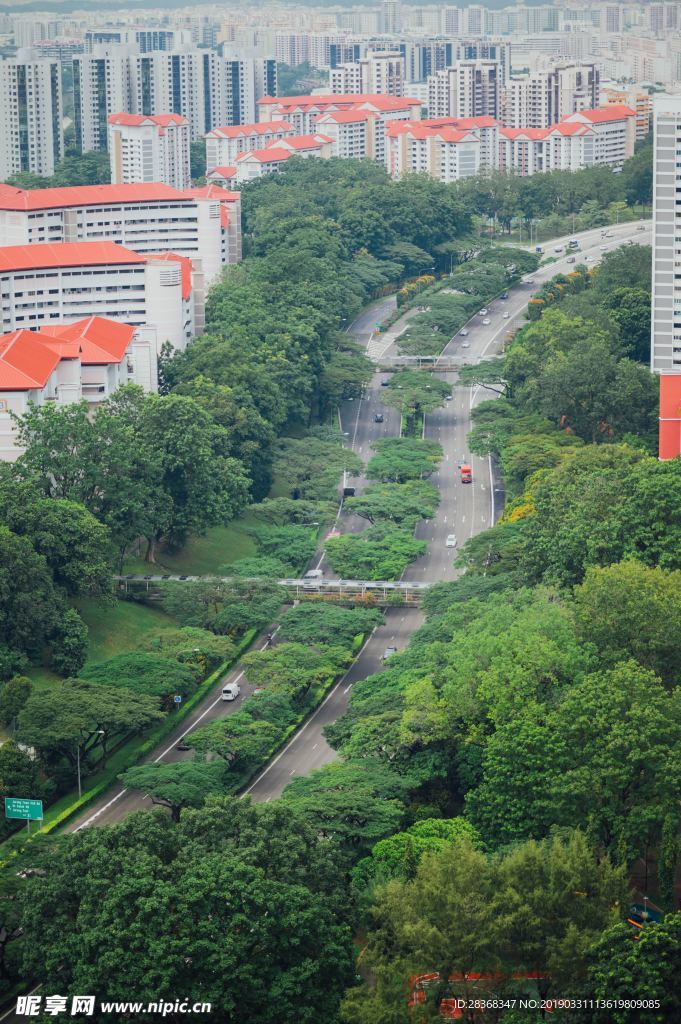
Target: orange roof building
(87, 360)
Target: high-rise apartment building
(471, 88)
(666, 281)
(200, 85)
(378, 73)
(101, 87)
(541, 98)
(31, 117)
(149, 148)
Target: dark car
(385, 383)
(184, 577)
(183, 745)
(378, 418)
(504, 295)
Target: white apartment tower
(666, 281)
(101, 87)
(542, 98)
(31, 117)
(378, 73)
(471, 88)
(149, 148)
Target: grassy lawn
(117, 627)
(219, 546)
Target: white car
(463, 332)
(506, 315)
(451, 540)
(483, 312)
(466, 344)
(588, 259)
(529, 280)
(558, 248)
(641, 227)
(487, 320)
(602, 247)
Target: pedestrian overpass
(378, 592)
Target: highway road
(465, 509)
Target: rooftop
(86, 195)
(237, 131)
(49, 255)
(136, 120)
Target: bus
(466, 474)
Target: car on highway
(231, 691)
(558, 248)
(504, 295)
(641, 227)
(588, 259)
(463, 332)
(183, 745)
(451, 540)
(570, 259)
(385, 383)
(602, 247)
(506, 315)
(448, 398)
(483, 312)
(378, 418)
(388, 653)
(529, 280)
(487, 321)
(466, 344)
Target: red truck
(466, 474)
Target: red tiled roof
(134, 120)
(95, 340)
(185, 268)
(299, 142)
(271, 154)
(26, 361)
(222, 172)
(214, 191)
(344, 116)
(85, 195)
(340, 100)
(49, 255)
(237, 131)
(599, 115)
(529, 134)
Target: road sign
(177, 698)
(29, 810)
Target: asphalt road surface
(465, 509)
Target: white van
(231, 691)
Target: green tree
(70, 644)
(382, 552)
(30, 609)
(326, 624)
(295, 668)
(13, 697)
(628, 609)
(199, 649)
(626, 971)
(231, 884)
(402, 504)
(153, 675)
(415, 393)
(399, 459)
(177, 785)
(80, 714)
(241, 741)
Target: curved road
(464, 510)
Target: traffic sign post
(177, 698)
(27, 810)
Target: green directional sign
(18, 807)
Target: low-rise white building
(447, 148)
(63, 363)
(149, 148)
(271, 159)
(614, 129)
(48, 283)
(146, 218)
(223, 145)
